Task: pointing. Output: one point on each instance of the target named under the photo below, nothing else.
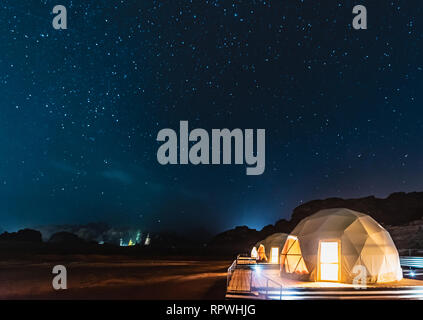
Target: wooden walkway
(247, 280)
(240, 281)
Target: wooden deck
(264, 282)
(240, 281)
(250, 280)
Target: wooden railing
(271, 292)
(413, 262)
(230, 272)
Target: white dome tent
(328, 245)
(272, 246)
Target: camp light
(254, 253)
(257, 269)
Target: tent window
(291, 258)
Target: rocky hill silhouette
(395, 212)
(24, 235)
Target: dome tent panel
(350, 257)
(357, 235)
(370, 224)
(333, 227)
(310, 227)
(386, 271)
(291, 257)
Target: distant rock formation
(395, 213)
(66, 238)
(94, 231)
(408, 236)
(238, 240)
(398, 208)
(25, 235)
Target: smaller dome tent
(273, 245)
(337, 245)
(270, 248)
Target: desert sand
(113, 277)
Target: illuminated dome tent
(327, 245)
(272, 247)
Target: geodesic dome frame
(362, 242)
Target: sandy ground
(101, 277)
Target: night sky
(81, 108)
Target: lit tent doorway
(329, 257)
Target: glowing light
(261, 254)
(329, 272)
(147, 240)
(254, 253)
(329, 252)
(257, 269)
(291, 258)
(412, 273)
(329, 268)
(274, 255)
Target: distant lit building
(147, 240)
(128, 239)
(138, 237)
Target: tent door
(329, 261)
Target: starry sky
(81, 108)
